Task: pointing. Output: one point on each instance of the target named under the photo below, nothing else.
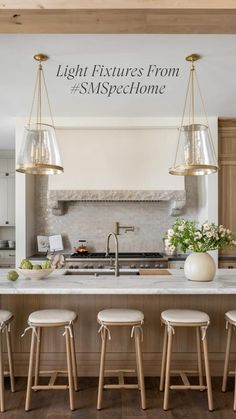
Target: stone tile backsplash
(92, 221)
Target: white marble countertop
(224, 283)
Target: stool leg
(199, 357)
(2, 404)
(69, 367)
(167, 377)
(137, 364)
(207, 369)
(227, 352)
(37, 358)
(140, 367)
(102, 367)
(30, 371)
(163, 361)
(73, 358)
(9, 352)
(235, 390)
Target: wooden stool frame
(5, 330)
(166, 363)
(226, 372)
(121, 384)
(71, 372)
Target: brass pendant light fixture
(39, 153)
(195, 154)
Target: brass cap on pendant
(41, 57)
(193, 57)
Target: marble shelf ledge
(175, 284)
(58, 198)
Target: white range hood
(125, 164)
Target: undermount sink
(100, 272)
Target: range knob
(85, 266)
(142, 266)
(76, 267)
(100, 266)
(147, 266)
(157, 265)
(161, 265)
(71, 267)
(90, 266)
(132, 266)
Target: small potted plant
(199, 239)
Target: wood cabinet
(7, 191)
(227, 177)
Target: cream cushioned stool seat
(173, 319)
(121, 317)
(184, 316)
(39, 320)
(56, 317)
(230, 318)
(6, 318)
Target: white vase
(200, 267)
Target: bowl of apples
(28, 270)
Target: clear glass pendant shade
(39, 153)
(195, 153)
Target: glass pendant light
(195, 154)
(39, 153)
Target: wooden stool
(121, 317)
(230, 317)
(185, 318)
(51, 318)
(6, 318)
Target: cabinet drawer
(227, 264)
(176, 264)
(7, 258)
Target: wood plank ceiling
(118, 16)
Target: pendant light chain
(39, 107)
(205, 114)
(192, 92)
(182, 121)
(34, 96)
(40, 80)
(47, 96)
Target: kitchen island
(88, 294)
(175, 283)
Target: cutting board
(154, 272)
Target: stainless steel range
(126, 260)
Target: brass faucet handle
(119, 227)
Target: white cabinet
(7, 166)
(7, 191)
(7, 258)
(3, 200)
(11, 201)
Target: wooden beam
(118, 21)
(117, 4)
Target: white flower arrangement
(188, 235)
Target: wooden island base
(120, 351)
